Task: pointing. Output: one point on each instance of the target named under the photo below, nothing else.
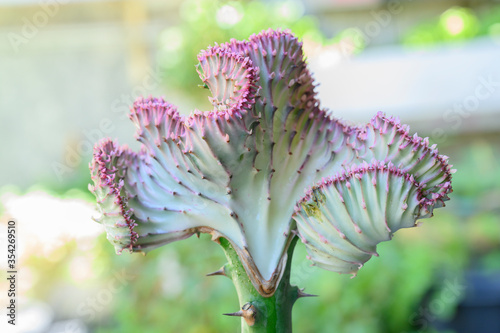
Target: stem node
(248, 312)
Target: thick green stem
(259, 313)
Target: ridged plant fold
(264, 165)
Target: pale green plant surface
(265, 165)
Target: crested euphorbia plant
(265, 167)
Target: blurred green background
(70, 70)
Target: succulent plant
(264, 166)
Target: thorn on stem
(221, 271)
(248, 312)
(234, 314)
(301, 294)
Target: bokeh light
(229, 15)
(459, 22)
